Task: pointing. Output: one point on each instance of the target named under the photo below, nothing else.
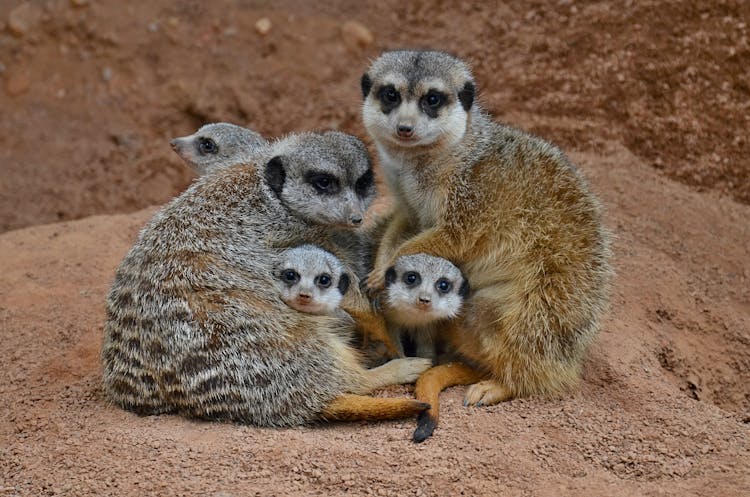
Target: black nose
(424, 300)
(405, 131)
(356, 220)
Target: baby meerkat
(509, 209)
(311, 280)
(193, 324)
(422, 291)
(217, 145)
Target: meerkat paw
(375, 281)
(486, 393)
(409, 369)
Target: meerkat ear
(275, 175)
(344, 283)
(390, 276)
(466, 96)
(465, 289)
(366, 83)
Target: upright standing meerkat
(312, 280)
(217, 145)
(421, 292)
(192, 327)
(509, 209)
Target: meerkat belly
(425, 203)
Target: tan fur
(514, 215)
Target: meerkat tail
(349, 407)
(428, 389)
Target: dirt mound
(639, 94)
(662, 409)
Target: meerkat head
(217, 145)
(421, 289)
(311, 279)
(417, 99)
(324, 178)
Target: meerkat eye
(323, 281)
(412, 278)
(207, 146)
(324, 183)
(290, 276)
(389, 98)
(431, 102)
(443, 286)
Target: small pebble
(263, 26)
(22, 18)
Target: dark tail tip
(426, 425)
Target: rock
(356, 35)
(263, 26)
(23, 18)
(79, 3)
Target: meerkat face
(324, 178)
(421, 289)
(217, 145)
(311, 280)
(417, 98)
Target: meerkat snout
(405, 130)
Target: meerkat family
(509, 209)
(239, 299)
(192, 327)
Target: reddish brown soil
(650, 98)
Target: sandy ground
(650, 99)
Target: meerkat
(193, 324)
(509, 209)
(421, 292)
(217, 145)
(312, 280)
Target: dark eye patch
(207, 146)
(323, 280)
(364, 183)
(290, 276)
(389, 98)
(323, 183)
(432, 101)
(443, 285)
(411, 278)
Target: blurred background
(92, 91)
